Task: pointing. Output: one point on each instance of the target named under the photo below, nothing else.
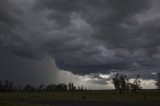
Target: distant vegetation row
(121, 83)
(8, 86)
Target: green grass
(140, 96)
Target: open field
(81, 98)
(140, 96)
(22, 104)
(33, 102)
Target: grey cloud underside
(84, 36)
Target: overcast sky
(80, 41)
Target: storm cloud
(84, 36)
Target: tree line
(123, 83)
(8, 86)
(158, 81)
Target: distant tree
(64, 86)
(82, 88)
(116, 82)
(158, 81)
(29, 88)
(120, 82)
(78, 88)
(61, 87)
(10, 86)
(15, 88)
(1, 86)
(6, 85)
(40, 88)
(19, 88)
(50, 87)
(71, 87)
(128, 84)
(136, 85)
(123, 82)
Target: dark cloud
(118, 29)
(6, 12)
(83, 36)
(26, 71)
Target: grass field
(142, 95)
(8, 104)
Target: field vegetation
(140, 96)
(125, 91)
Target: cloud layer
(84, 36)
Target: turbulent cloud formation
(84, 36)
